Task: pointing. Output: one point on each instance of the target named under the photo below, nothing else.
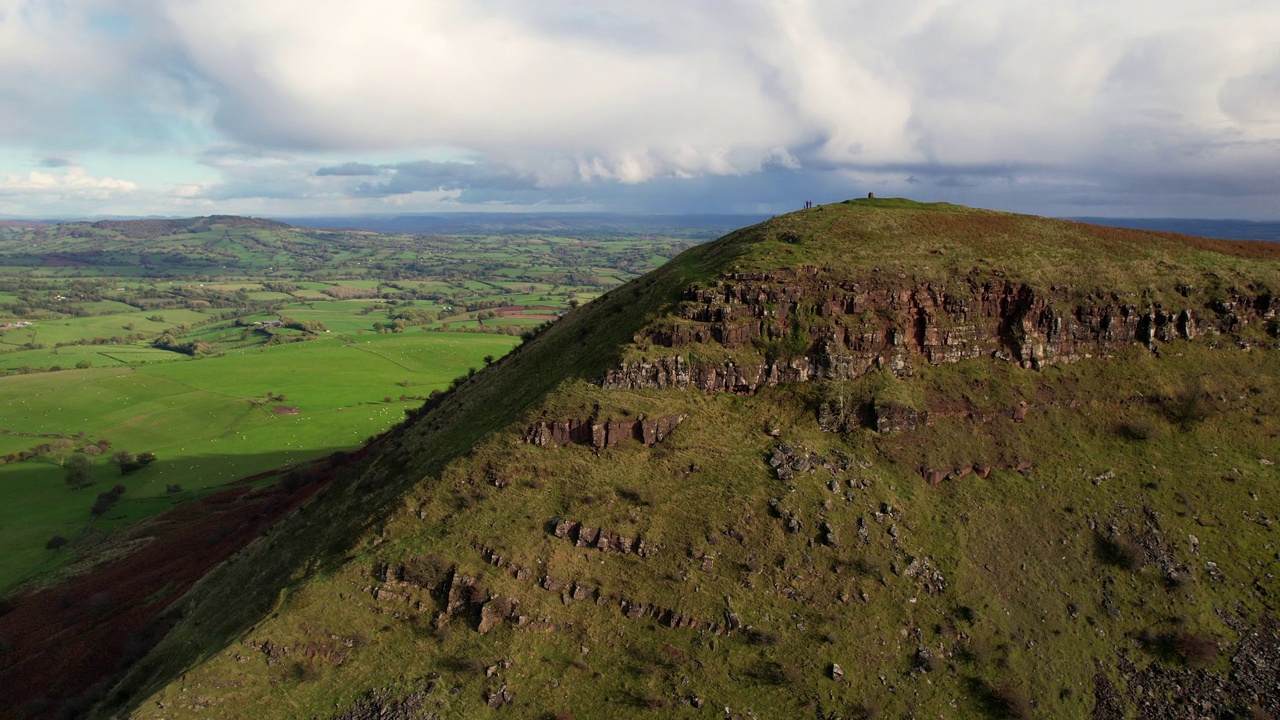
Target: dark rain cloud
(410, 177)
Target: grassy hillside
(970, 536)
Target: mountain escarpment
(1104, 401)
(842, 329)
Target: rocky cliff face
(601, 433)
(798, 325)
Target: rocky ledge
(601, 433)
(802, 325)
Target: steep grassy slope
(1046, 488)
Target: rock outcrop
(602, 539)
(577, 591)
(806, 326)
(601, 434)
(788, 461)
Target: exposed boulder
(494, 612)
(889, 417)
(788, 462)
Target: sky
(288, 108)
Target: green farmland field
(72, 329)
(198, 418)
(96, 355)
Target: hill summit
(878, 458)
(152, 228)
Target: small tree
(126, 461)
(60, 450)
(79, 471)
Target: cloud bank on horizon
(295, 107)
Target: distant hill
(149, 228)
(874, 459)
(21, 224)
(1228, 229)
(561, 223)
(210, 245)
(227, 246)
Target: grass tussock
(1002, 699)
(1119, 552)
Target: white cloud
(73, 184)
(190, 190)
(566, 94)
(668, 88)
(397, 74)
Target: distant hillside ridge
(705, 226)
(159, 228)
(1219, 228)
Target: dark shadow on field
(148, 491)
(165, 470)
(67, 637)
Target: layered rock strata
(808, 326)
(601, 434)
